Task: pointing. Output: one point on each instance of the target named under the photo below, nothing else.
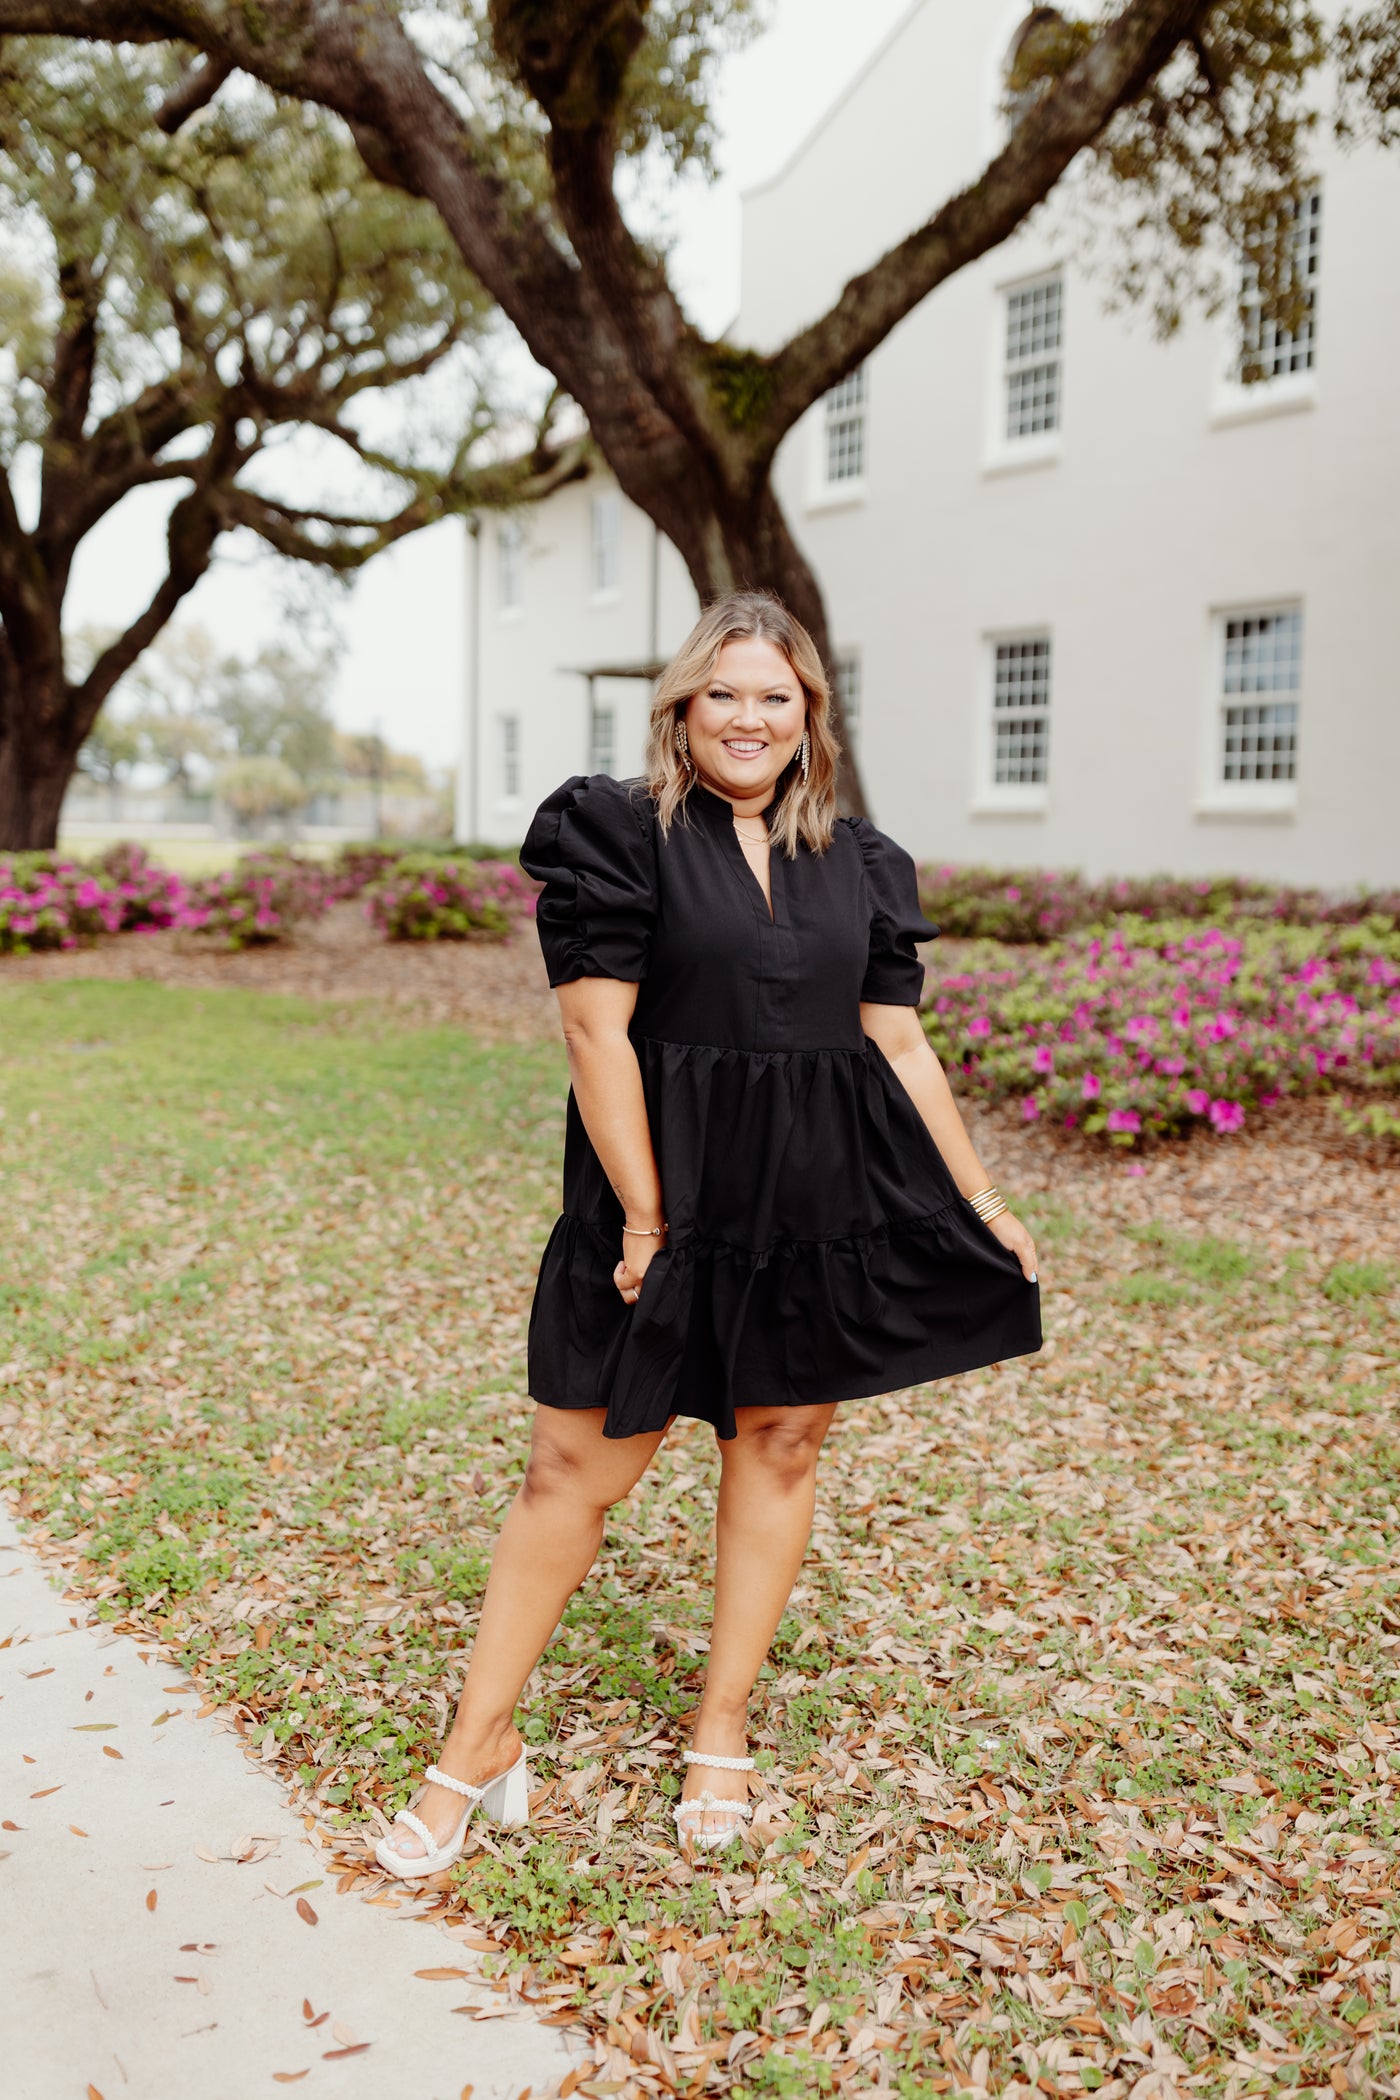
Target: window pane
(1021, 713)
(1032, 400)
(510, 756)
(1263, 652)
(606, 529)
(1033, 320)
(845, 428)
(847, 393)
(1261, 743)
(604, 754)
(1268, 351)
(1263, 655)
(845, 448)
(848, 692)
(1033, 339)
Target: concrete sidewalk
(142, 1959)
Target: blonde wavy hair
(802, 809)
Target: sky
(403, 625)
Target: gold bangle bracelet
(649, 1232)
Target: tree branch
(359, 61)
(573, 56)
(195, 92)
(190, 536)
(1113, 71)
(284, 527)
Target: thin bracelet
(651, 1232)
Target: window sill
(1271, 397)
(1018, 456)
(838, 495)
(1010, 802)
(1266, 803)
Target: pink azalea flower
(979, 1026)
(1197, 1100)
(1044, 1059)
(1125, 1119)
(1030, 1109)
(1091, 1086)
(1226, 1116)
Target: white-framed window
(602, 758)
(1020, 753)
(1268, 351)
(849, 693)
(1261, 676)
(510, 542)
(606, 541)
(508, 756)
(843, 431)
(1032, 360)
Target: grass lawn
(1079, 1732)
(186, 856)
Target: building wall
(1166, 499)
(1169, 498)
(532, 653)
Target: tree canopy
(517, 118)
(191, 310)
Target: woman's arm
(899, 1033)
(607, 1084)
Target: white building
(1097, 601)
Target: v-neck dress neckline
(723, 812)
(818, 1249)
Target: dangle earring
(804, 750)
(683, 744)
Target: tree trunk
(38, 759)
(731, 546)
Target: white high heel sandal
(705, 1803)
(504, 1800)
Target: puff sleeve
(591, 844)
(894, 974)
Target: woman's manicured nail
(1034, 1276)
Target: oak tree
(172, 311)
(514, 118)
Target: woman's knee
(786, 1444)
(569, 1468)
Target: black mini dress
(818, 1247)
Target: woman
(770, 1202)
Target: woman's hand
(637, 1257)
(1013, 1234)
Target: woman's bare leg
(546, 1546)
(767, 1497)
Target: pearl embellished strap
(722, 1764)
(456, 1786)
(420, 1831)
(706, 1801)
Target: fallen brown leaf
(305, 1911)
